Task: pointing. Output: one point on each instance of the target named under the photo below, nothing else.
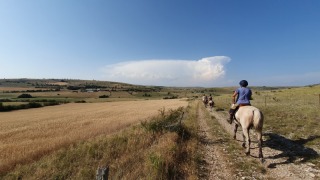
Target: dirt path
(214, 166)
(283, 158)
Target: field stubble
(27, 135)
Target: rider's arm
(234, 97)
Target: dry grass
(27, 135)
(59, 83)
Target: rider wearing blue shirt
(243, 95)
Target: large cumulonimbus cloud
(201, 72)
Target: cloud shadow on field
(291, 150)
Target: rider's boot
(231, 115)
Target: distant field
(17, 88)
(13, 103)
(26, 135)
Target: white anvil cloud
(168, 72)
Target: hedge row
(26, 106)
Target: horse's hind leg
(246, 140)
(259, 135)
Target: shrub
(51, 103)
(34, 105)
(104, 96)
(171, 97)
(73, 87)
(6, 100)
(164, 121)
(25, 96)
(146, 95)
(81, 101)
(21, 106)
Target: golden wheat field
(27, 135)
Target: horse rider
(205, 100)
(240, 97)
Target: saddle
(233, 111)
(240, 105)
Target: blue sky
(210, 43)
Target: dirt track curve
(283, 159)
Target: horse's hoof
(234, 137)
(247, 153)
(262, 160)
(243, 145)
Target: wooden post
(181, 118)
(265, 101)
(102, 173)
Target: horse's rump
(250, 115)
(211, 103)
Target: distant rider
(205, 100)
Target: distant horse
(211, 104)
(205, 101)
(248, 117)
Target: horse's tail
(257, 119)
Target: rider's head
(243, 83)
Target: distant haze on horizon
(163, 43)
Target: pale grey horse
(211, 104)
(248, 117)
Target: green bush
(51, 103)
(146, 95)
(25, 96)
(166, 120)
(81, 101)
(33, 105)
(171, 97)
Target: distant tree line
(73, 88)
(38, 90)
(32, 103)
